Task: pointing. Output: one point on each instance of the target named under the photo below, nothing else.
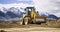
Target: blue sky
(16, 1)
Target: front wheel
(21, 22)
(26, 20)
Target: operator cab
(29, 9)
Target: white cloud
(14, 5)
(47, 6)
(41, 5)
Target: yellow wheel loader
(31, 16)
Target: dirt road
(31, 28)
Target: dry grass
(54, 23)
(11, 24)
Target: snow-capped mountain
(15, 12)
(49, 16)
(10, 13)
(44, 14)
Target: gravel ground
(31, 28)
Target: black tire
(25, 22)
